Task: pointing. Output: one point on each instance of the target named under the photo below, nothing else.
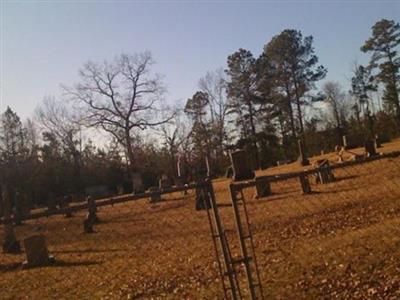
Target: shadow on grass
(58, 263)
(88, 251)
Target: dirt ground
(341, 242)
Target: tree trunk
(290, 111)
(131, 156)
(253, 133)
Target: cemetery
(157, 244)
(199, 150)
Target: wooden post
(305, 184)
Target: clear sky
(44, 43)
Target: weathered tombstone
(322, 152)
(36, 251)
(91, 217)
(302, 155)
(344, 141)
(156, 197)
(10, 244)
(305, 184)
(137, 183)
(324, 174)
(370, 149)
(263, 187)
(203, 200)
(241, 169)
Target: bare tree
(214, 84)
(120, 97)
(64, 123)
(336, 99)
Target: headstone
(322, 152)
(240, 166)
(91, 217)
(137, 183)
(203, 200)
(154, 198)
(302, 155)
(324, 174)
(36, 252)
(370, 149)
(305, 184)
(263, 187)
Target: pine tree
(382, 44)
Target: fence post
(305, 184)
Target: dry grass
(341, 242)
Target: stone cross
(241, 169)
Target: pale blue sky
(44, 43)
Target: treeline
(263, 104)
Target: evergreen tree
(296, 71)
(383, 44)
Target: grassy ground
(342, 241)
